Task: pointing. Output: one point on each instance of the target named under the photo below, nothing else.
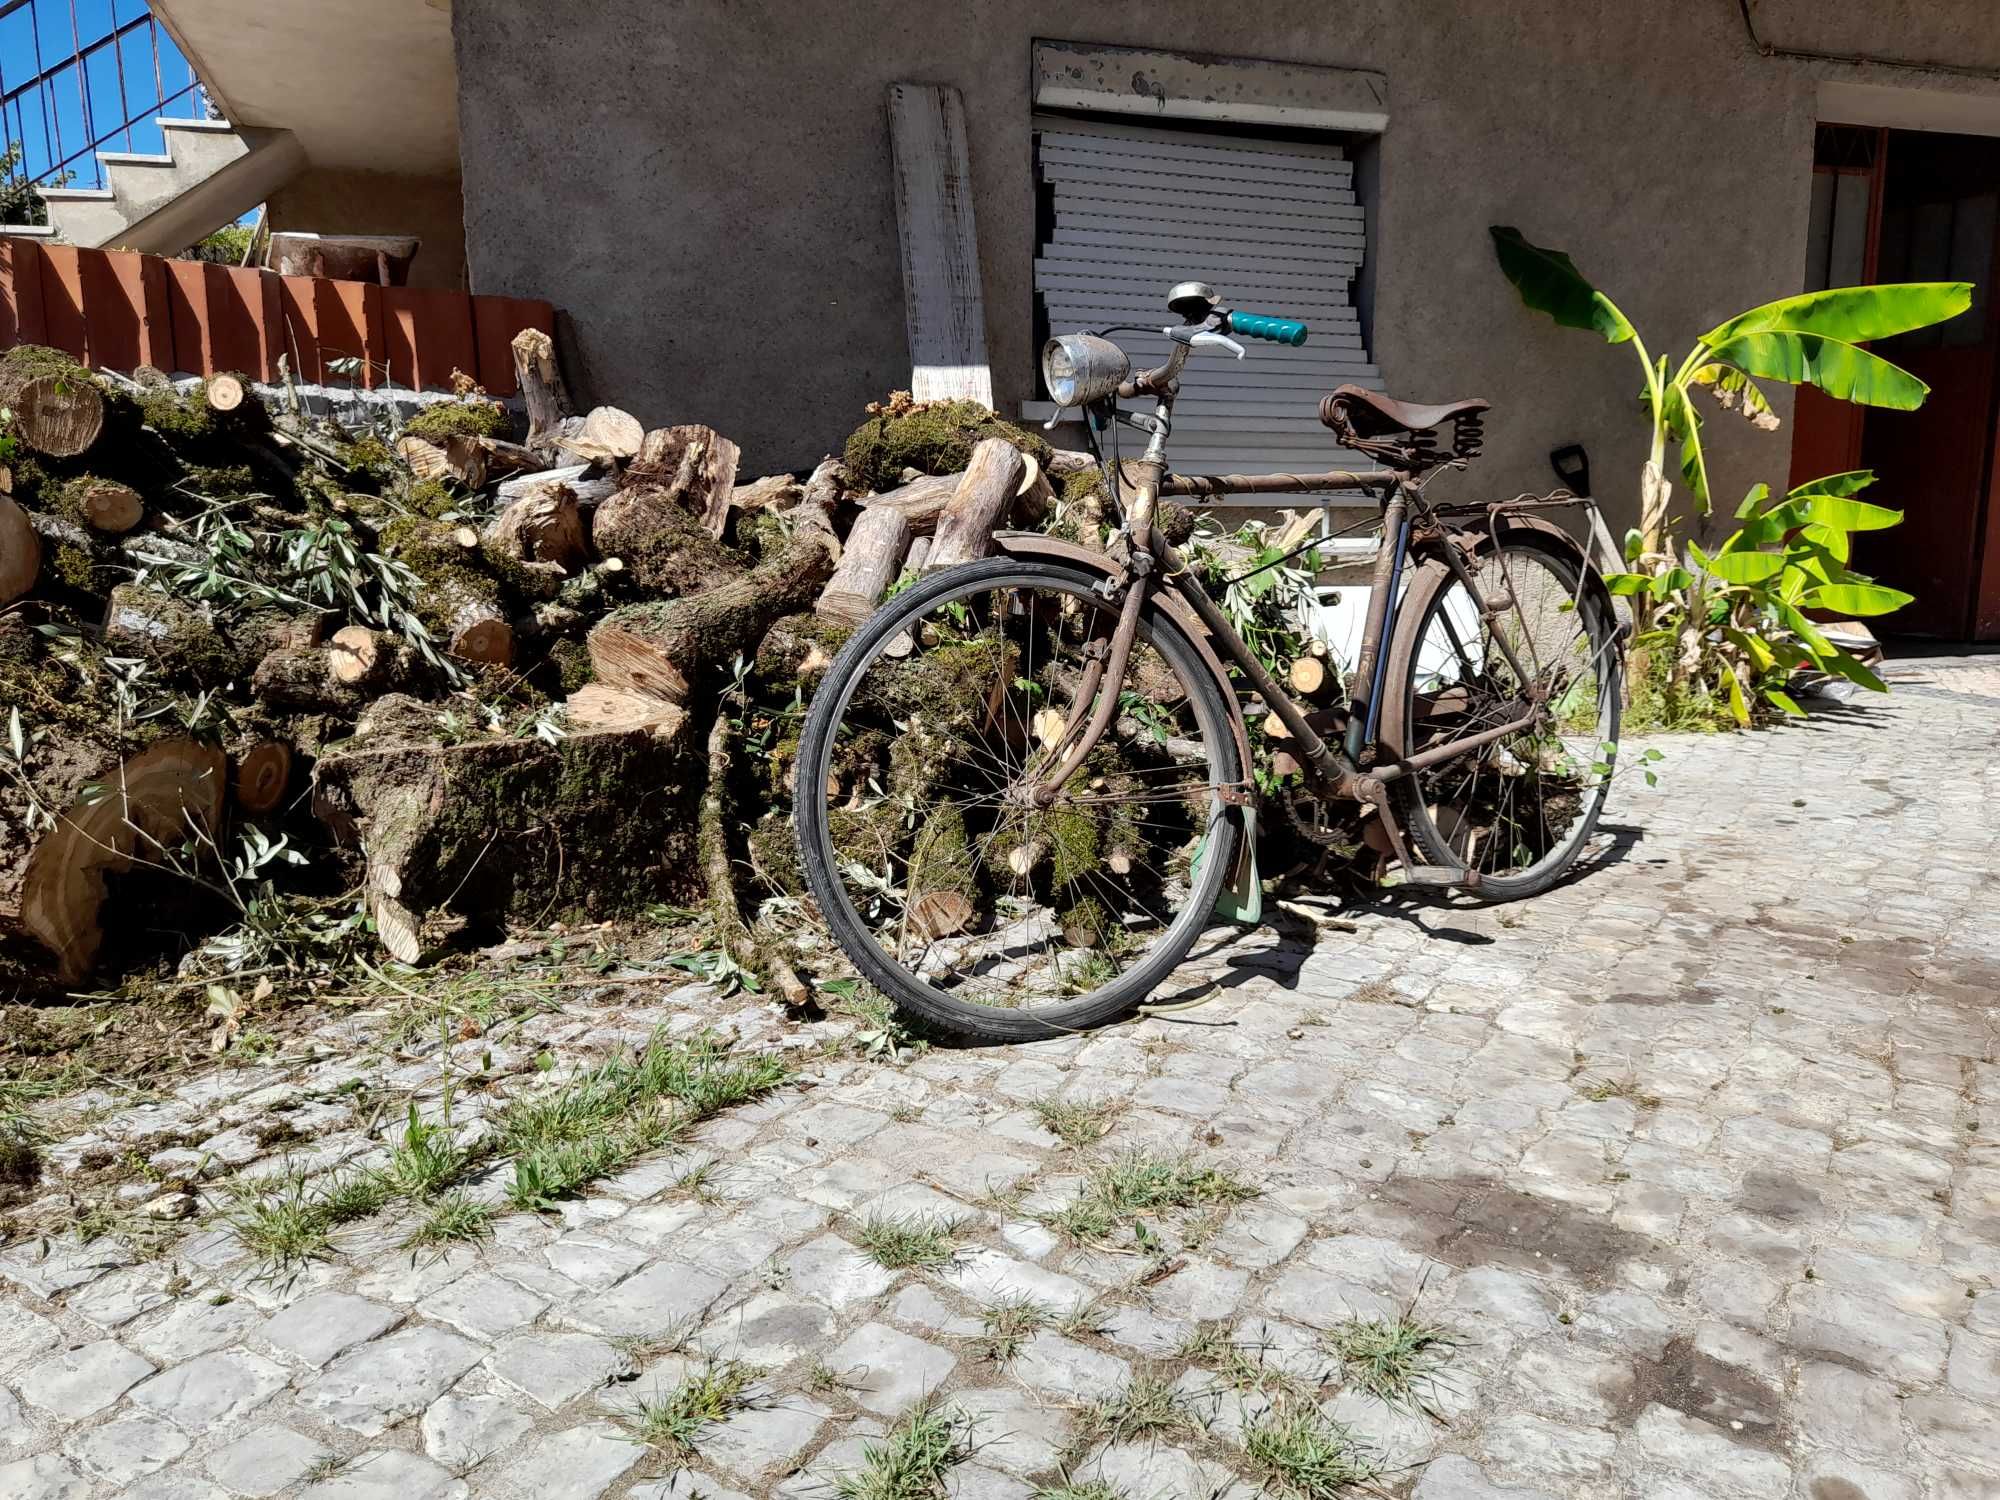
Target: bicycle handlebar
(1263, 326)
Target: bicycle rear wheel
(1519, 809)
(987, 918)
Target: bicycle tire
(938, 1013)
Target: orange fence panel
(118, 309)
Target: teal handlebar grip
(1262, 326)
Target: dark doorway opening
(1895, 205)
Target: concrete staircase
(211, 174)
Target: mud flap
(1242, 898)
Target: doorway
(1905, 205)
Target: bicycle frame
(1335, 766)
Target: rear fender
(1479, 539)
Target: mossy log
(472, 837)
(696, 466)
(673, 650)
(20, 552)
(664, 548)
(104, 505)
(87, 808)
(357, 664)
(935, 437)
(188, 643)
(719, 874)
(57, 406)
(461, 603)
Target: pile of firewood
(471, 667)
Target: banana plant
(1735, 621)
(1812, 339)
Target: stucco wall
(705, 187)
(328, 201)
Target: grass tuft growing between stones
(1240, 1366)
(1398, 1361)
(1146, 1182)
(1301, 1453)
(674, 1422)
(1148, 1407)
(912, 1461)
(1077, 1122)
(286, 1227)
(1009, 1324)
(1095, 1489)
(620, 1109)
(896, 1244)
(454, 1219)
(426, 1160)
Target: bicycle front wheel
(984, 916)
(1519, 809)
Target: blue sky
(40, 116)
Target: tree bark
(340, 677)
(57, 411)
(870, 562)
(697, 468)
(921, 501)
(672, 651)
(985, 493)
(607, 433)
(542, 390)
(544, 525)
(20, 552)
(664, 548)
(109, 812)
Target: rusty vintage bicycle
(1027, 781)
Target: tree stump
(57, 406)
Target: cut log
(109, 813)
(20, 552)
(1035, 498)
(1313, 678)
(1064, 462)
(921, 501)
(1022, 858)
(776, 492)
(920, 552)
(109, 506)
(985, 492)
(665, 549)
(674, 650)
(544, 525)
(225, 392)
(697, 467)
(340, 677)
(829, 486)
(595, 706)
(478, 630)
(426, 460)
(607, 433)
(57, 407)
(461, 840)
(870, 562)
(186, 641)
(262, 775)
(541, 383)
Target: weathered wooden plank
(940, 246)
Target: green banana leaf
(1549, 282)
(1853, 482)
(1840, 369)
(1803, 628)
(1757, 495)
(1858, 599)
(1838, 662)
(1832, 540)
(1851, 314)
(1684, 422)
(1746, 567)
(1847, 515)
(1784, 702)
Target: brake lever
(1196, 338)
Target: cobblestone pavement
(1699, 1157)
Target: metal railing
(85, 93)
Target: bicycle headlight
(1080, 368)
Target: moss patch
(445, 420)
(935, 437)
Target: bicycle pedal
(1441, 876)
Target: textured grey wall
(705, 188)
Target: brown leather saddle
(1366, 421)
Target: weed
(20, 1160)
(1148, 1405)
(453, 1220)
(1398, 1360)
(1375, 992)
(883, 1036)
(911, 1462)
(1300, 1452)
(644, 1346)
(675, 1421)
(822, 1379)
(1095, 1489)
(1008, 1324)
(1146, 1182)
(327, 1466)
(355, 1195)
(1077, 1122)
(1242, 1367)
(698, 1182)
(426, 1160)
(621, 1108)
(907, 1240)
(287, 1227)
